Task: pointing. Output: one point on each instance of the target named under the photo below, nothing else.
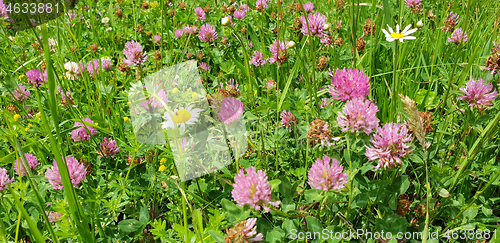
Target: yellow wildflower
(16, 117)
(38, 115)
(162, 168)
(194, 95)
(125, 119)
(163, 160)
(21, 76)
(175, 90)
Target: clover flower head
(77, 173)
(253, 189)
(81, 133)
(477, 93)
(348, 84)
(288, 119)
(207, 33)
(316, 22)
(327, 176)
(389, 145)
(257, 59)
(134, 54)
(32, 162)
(358, 115)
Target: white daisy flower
(405, 35)
(181, 117)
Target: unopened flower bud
(420, 24)
(326, 26)
(291, 44)
(225, 21)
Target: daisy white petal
(409, 38)
(409, 32)
(407, 28)
(390, 29)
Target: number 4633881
(32, 8)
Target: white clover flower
(291, 44)
(404, 35)
(105, 20)
(52, 44)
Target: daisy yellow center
(182, 116)
(397, 35)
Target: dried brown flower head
(369, 28)
(224, 41)
(182, 5)
(43, 65)
(321, 63)
(145, 5)
(224, 9)
(243, 29)
(297, 24)
(157, 56)
(87, 165)
(149, 33)
(189, 55)
(339, 41)
(273, 16)
(172, 12)
(403, 205)
(360, 45)
(94, 47)
(139, 28)
(74, 48)
(119, 13)
(319, 132)
(298, 7)
(12, 108)
(207, 9)
(124, 68)
(339, 5)
(231, 9)
(137, 160)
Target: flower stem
(394, 82)
(351, 174)
(184, 212)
